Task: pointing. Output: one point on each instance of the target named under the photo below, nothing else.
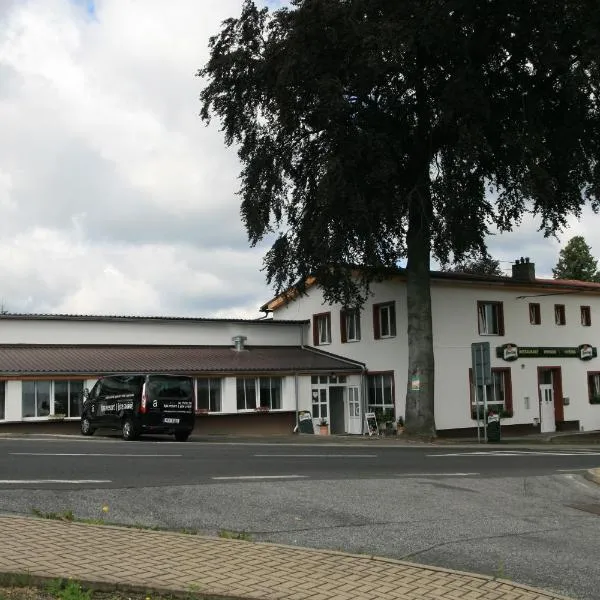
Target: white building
(543, 336)
(250, 375)
(336, 364)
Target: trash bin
(493, 427)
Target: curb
(40, 581)
(593, 475)
(362, 557)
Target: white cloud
(114, 196)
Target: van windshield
(170, 387)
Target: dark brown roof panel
(17, 359)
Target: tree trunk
(420, 417)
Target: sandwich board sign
(372, 427)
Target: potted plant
(323, 428)
(400, 425)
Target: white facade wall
(455, 327)
(147, 332)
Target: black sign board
(372, 427)
(305, 422)
(510, 352)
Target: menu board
(372, 427)
(305, 422)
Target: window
(36, 398)
(380, 392)
(586, 316)
(322, 329)
(384, 320)
(499, 394)
(2, 400)
(208, 395)
(270, 392)
(490, 318)
(68, 398)
(45, 398)
(535, 314)
(325, 379)
(262, 392)
(350, 325)
(594, 387)
(559, 314)
(319, 403)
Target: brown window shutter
(376, 324)
(508, 384)
(343, 331)
(500, 318)
(315, 331)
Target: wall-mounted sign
(510, 352)
(415, 383)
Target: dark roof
(125, 318)
(25, 359)
(559, 285)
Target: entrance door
(336, 410)
(547, 419)
(354, 417)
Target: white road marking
(316, 455)
(577, 481)
(20, 481)
(436, 474)
(97, 454)
(571, 470)
(252, 477)
(501, 453)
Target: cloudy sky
(114, 197)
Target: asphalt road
(522, 513)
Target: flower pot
(323, 430)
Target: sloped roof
(559, 285)
(25, 359)
(125, 318)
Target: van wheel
(129, 430)
(86, 426)
(182, 436)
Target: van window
(170, 387)
(123, 384)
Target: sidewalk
(161, 561)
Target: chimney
(238, 341)
(523, 270)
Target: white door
(547, 420)
(354, 416)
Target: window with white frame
(208, 394)
(45, 398)
(380, 392)
(2, 400)
(384, 320)
(490, 317)
(353, 402)
(322, 329)
(319, 403)
(259, 392)
(499, 394)
(350, 325)
(270, 392)
(68, 396)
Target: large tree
(476, 265)
(375, 130)
(575, 261)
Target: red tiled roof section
(19, 359)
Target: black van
(137, 404)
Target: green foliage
(371, 131)
(67, 590)
(235, 535)
(66, 515)
(477, 265)
(575, 261)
